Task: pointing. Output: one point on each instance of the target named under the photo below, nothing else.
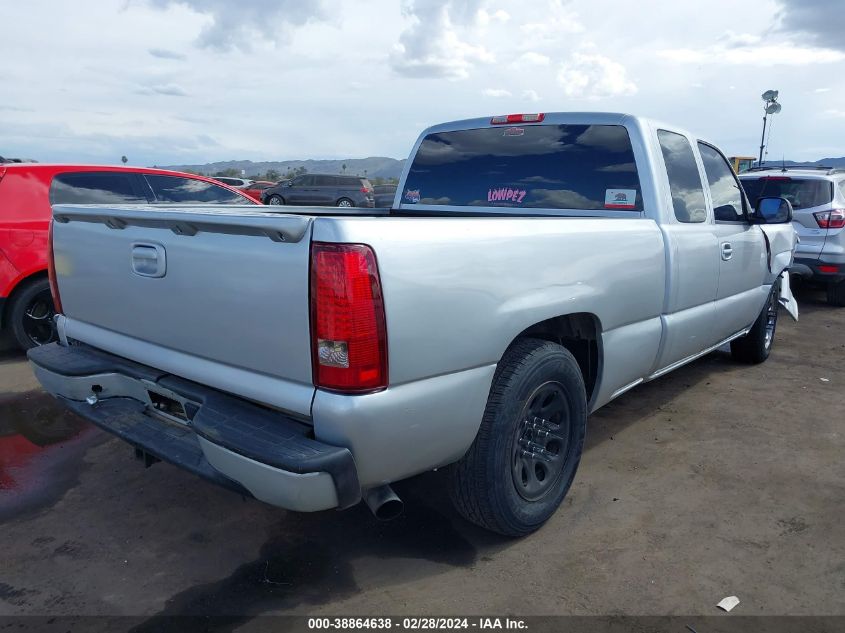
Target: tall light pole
(770, 97)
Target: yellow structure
(742, 163)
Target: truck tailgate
(218, 296)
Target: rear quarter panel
(459, 290)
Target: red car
(27, 191)
(253, 190)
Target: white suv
(818, 202)
(237, 183)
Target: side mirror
(772, 211)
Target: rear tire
(345, 202)
(524, 458)
(755, 346)
(275, 200)
(836, 294)
(31, 315)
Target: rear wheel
(524, 458)
(31, 315)
(836, 294)
(755, 346)
(275, 200)
(345, 202)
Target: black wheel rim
(771, 319)
(38, 324)
(542, 441)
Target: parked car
(254, 189)
(237, 183)
(537, 267)
(325, 190)
(26, 192)
(384, 195)
(817, 196)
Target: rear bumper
(231, 442)
(818, 269)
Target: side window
(842, 187)
(724, 188)
(324, 181)
(95, 187)
(684, 179)
(176, 190)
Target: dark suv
(322, 190)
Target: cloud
(743, 49)
(168, 90)
(530, 95)
(759, 55)
(533, 59)
(432, 47)
(558, 20)
(496, 92)
(838, 114)
(485, 17)
(236, 25)
(163, 53)
(820, 20)
(822, 90)
(594, 77)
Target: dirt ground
(717, 480)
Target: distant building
(742, 163)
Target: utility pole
(770, 97)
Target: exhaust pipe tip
(383, 503)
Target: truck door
(692, 256)
(742, 289)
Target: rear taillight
(366, 190)
(830, 219)
(348, 334)
(51, 271)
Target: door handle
(149, 260)
(727, 251)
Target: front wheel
(524, 458)
(755, 346)
(275, 200)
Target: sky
(192, 81)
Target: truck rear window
(587, 167)
(803, 193)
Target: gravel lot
(716, 480)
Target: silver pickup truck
(531, 269)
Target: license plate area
(169, 405)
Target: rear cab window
(802, 193)
(578, 167)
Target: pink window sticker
(412, 195)
(620, 198)
(506, 194)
